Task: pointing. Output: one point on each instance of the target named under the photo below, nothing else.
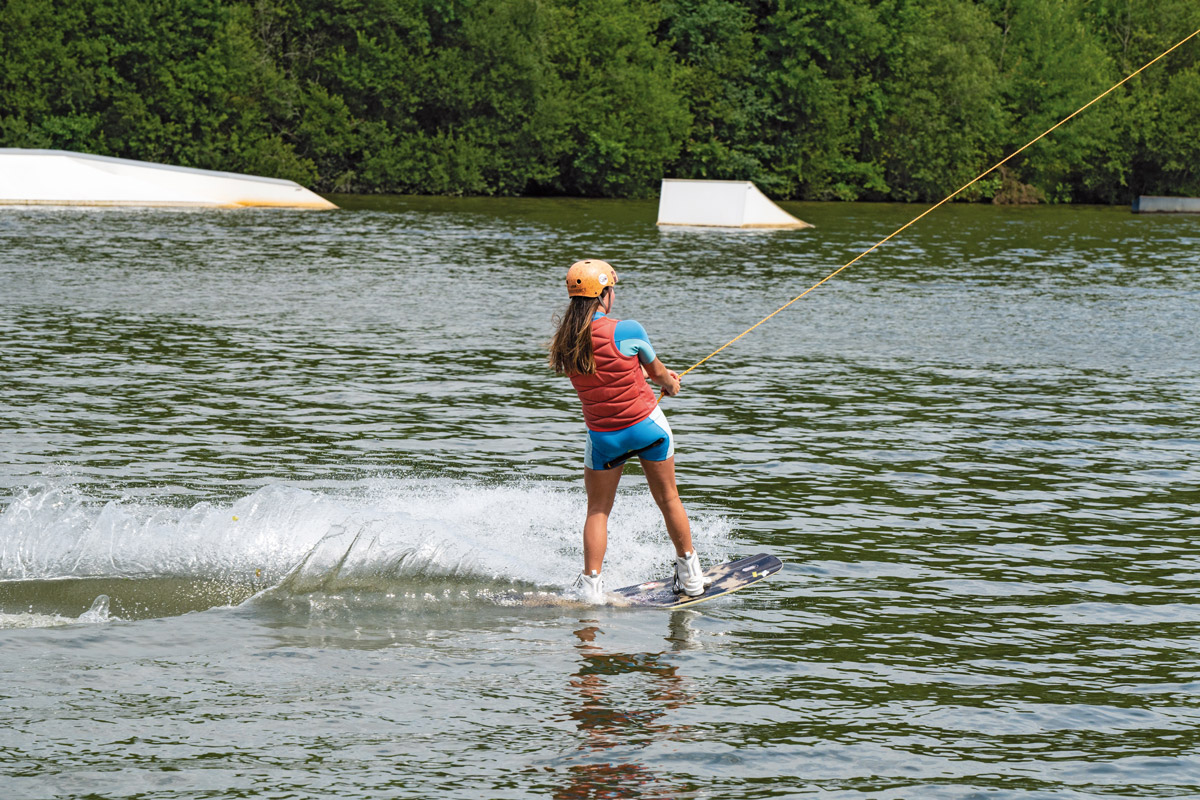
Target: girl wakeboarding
(608, 362)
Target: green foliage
(1158, 111)
(626, 115)
(176, 82)
(820, 68)
(943, 123)
(814, 99)
(1050, 66)
(715, 44)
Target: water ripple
(976, 451)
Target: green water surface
(291, 503)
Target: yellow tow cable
(951, 196)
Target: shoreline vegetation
(882, 100)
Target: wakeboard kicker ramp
(65, 178)
(720, 204)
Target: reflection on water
(625, 701)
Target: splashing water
(98, 613)
(431, 539)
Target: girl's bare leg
(660, 475)
(601, 485)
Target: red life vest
(617, 396)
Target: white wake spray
(376, 535)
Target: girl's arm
(666, 378)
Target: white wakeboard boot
(590, 588)
(689, 578)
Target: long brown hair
(571, 348)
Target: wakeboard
(719, 581)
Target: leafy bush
(812, 99)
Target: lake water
(290, 503)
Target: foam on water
(97, 614)
(435, 537)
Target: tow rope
(952, 195)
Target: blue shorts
(650, 439)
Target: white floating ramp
(63, 178)
(1147, 204)
(720, 204)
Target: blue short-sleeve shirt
(631, 339)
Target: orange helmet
(590, 277)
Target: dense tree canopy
(812, 99)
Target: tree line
(811, 99)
